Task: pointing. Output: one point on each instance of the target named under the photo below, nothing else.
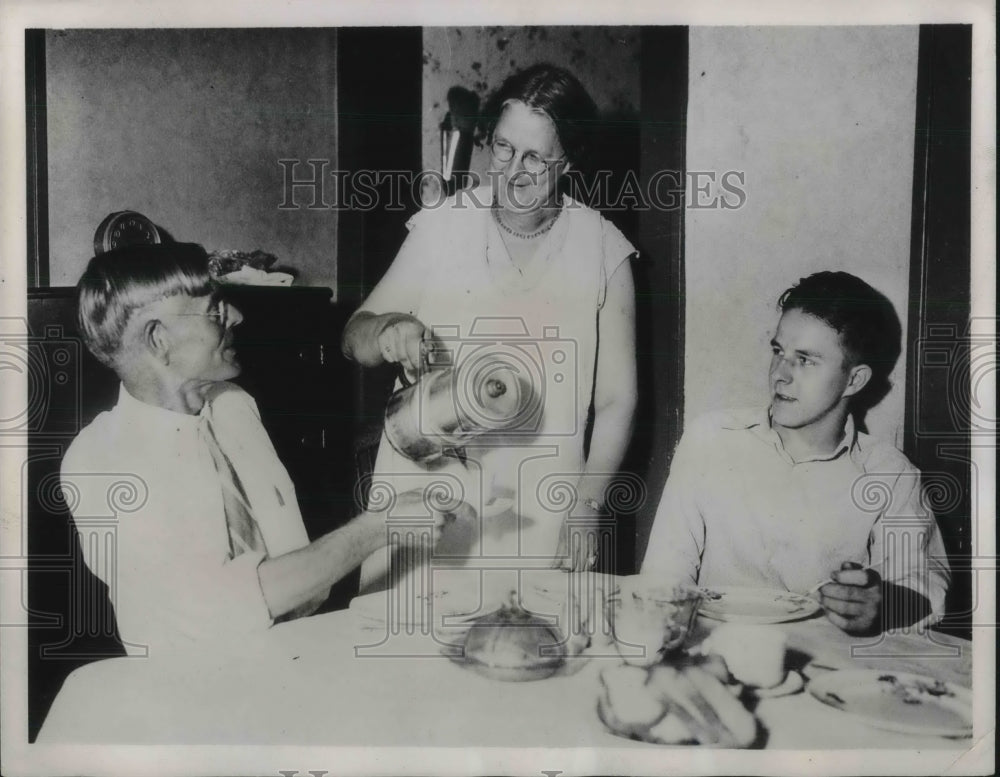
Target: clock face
(132, 230)
(123, 229)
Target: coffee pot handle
(407, 378)
(404, 378)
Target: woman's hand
(579, 539)
(371, 339)
(400, 339)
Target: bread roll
(705, 705)
(672, 705)
(627, 706)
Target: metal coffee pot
(449, 406)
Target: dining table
(351, 678)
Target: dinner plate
(545, 592)
(898, 701)
(554, 585)
(756, 605)
(404, 610)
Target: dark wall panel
(945, 346)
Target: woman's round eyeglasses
(532, 161)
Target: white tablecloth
(339, 679)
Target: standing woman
(519, 263)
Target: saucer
(793, 683)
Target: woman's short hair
(117, 283)
(870, 331)
(557, 93)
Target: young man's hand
(853, 601)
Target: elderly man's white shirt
(159, 538)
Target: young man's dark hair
(869, 329)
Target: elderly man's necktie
(244, 534)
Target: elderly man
(217, 549)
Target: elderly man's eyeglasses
(218, 311)
(533, 163)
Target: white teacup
(755, 655)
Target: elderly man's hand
(442, 514)
(463, 511)
(853, 601)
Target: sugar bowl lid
(122, 228)
(513, 644)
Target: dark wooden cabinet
(288, 344)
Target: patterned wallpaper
(605, 59)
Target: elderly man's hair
(120, 282)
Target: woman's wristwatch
(594, 505)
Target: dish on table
(755, 605)
(544, 624)
(407, 609)
(513, 644)
(651, 621)
(898, 701)
(792, 684)
(553, 592)
(565, 599)
(694, 702)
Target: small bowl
(651, 620)
(513, 645)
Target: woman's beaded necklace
(524, 235)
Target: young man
(792, 495)
(212, 546)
